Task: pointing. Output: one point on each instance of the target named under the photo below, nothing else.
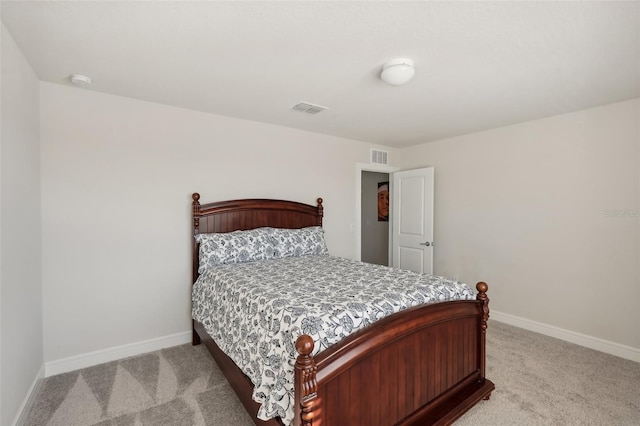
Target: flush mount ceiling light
(397, 71)
(80, 80)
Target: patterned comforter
(255, 311)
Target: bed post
(320, 211)
(482, 288)
(195, 211)
(305, 385)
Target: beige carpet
(539, 381)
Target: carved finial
(482, 287)
(304, 345)
(196, 198)
(319, 200)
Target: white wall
(117, 179)
(522, 207)
(527, 208)
(21, 354)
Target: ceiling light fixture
(80, 80)
(397, 71)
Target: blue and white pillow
(301, 242)
(258, 244)
(233, 247)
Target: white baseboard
(34, 389)
(587, 341)
(118, 352)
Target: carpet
(178, 386)
(539, 381)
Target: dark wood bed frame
(421, 366)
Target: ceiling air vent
(379, 157)
(309, 108)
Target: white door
(412, 220)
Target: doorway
(410, 216)
(374, 218)
(362, 168)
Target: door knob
(426, 243)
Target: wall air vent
(309, 108)
(379, 157)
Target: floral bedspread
(255, 311)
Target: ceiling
(479, 65)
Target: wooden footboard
(422, 366)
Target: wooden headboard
(234, 215)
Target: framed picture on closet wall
(383, 201)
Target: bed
(422, 365)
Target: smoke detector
(80, 80)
